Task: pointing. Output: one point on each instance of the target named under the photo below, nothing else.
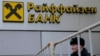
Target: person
(74, 47)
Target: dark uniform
(84, 52)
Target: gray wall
(29, 42)
(19, 42)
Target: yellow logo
(13, 11)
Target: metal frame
(53, 45)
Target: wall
(19, 42)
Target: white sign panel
(42, 14)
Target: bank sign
(13, 11)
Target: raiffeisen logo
(56, 12)
(13, 11)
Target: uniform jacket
(84, 52)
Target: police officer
(74, 46)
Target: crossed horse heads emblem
(13, 10)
